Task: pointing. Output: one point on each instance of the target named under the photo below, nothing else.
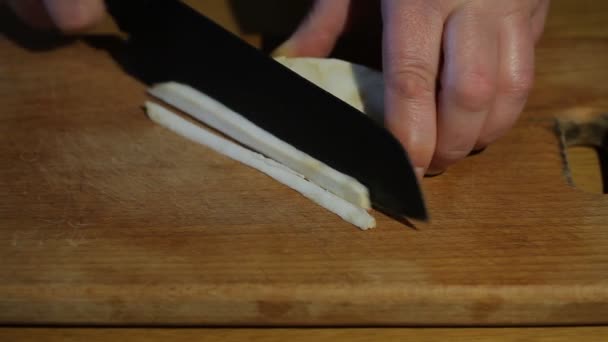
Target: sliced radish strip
(225, 120)
(346, 210)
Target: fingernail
(434, 171)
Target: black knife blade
(169, 41)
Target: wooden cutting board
(106, 218)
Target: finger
(515, 79)
(319, 32)
(32, 12)
(73, 16)
(411, 49)
(538, 19)
(468, 85)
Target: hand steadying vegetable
(458, 72)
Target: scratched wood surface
(106, 218)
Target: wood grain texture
(106, 218)
(555, 334)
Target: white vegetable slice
(225, 120)
(346, 210)
(357, 85)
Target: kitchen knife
(169, 41)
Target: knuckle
(415, 80)
(472, 91)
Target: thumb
(319, 32)
(70, 16)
